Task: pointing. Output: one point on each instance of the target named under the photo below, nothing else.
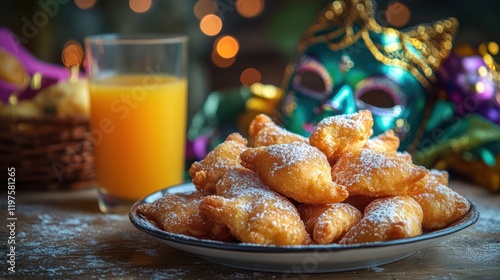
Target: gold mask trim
(420, 50)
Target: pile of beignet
(337, 186)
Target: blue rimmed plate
(296, 259)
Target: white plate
(296, 259)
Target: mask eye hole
(312, 79)
(382, 95)
(378, 98)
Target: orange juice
(138, 132)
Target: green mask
(346, 62)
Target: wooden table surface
(62, 235)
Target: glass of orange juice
(138, 97)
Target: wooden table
(62, 235)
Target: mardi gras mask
(346, 61)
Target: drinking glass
(138, 96)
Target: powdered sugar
(175, 212)
(372, 160)
(287, 155)
(384, 215)
(59, 243)
(387, 211)
(257, 207)
(352, 167)
(480, 254)
(347, 120)
(245, 183)
(489, 221)
(225, 155)
(277, 135)
(240, 180)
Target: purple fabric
(461, 77)
(50, 73)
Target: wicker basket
(48, 153)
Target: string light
(140, 6)
(487, 50)
(249, 8)
(479, 87)
(250, 76)
(72, 54)
(493, 48)
(482, 49)
(220, 61)
(85, 4)
(210, 25)
(204, 7)
(397, 14)
(227, 46)
(482, 71)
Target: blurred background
(232, 42)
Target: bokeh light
(140, 6)
(482, 49)
(482, 71)
(204, 7)
(85, 4)
(479, 87)
(268, 92)
(250, 76)
(249, 8)
(227, 46)
(211, 25)
(493, 48)
(488, 59)
(72, 54)
(220, 61)
(397, 14)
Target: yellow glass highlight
(138, 130)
